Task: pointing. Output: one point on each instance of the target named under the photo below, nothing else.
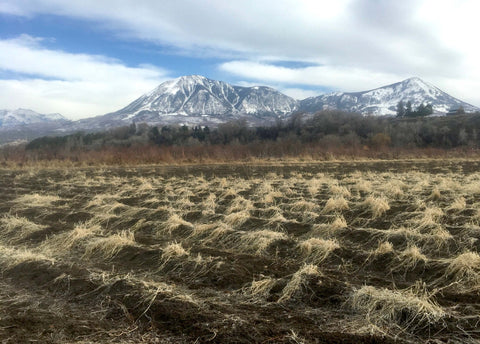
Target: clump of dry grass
(11, 257)
(465, 268)
(394, 188)
(383, 248)
(219, 233)
(410, 308)
(209, 204)
(259, 241)
(335, 204)
(183, 202)
(260, 288)
(329, 229)
(340, 190)
(16, 228)
(316, 250)
(376, 205)
(110, 246)
(37, 200)
(436, 195)
(410, 257)
(240, 204)
(338, 223)
(276, 218)
(174, 222)
(430, 217)
(267, 193)
(299, 280)
(81, 231)
(237, 219)
(172, 251)
(314, 185)
(303, 205)
(458, 204)
(362, 185)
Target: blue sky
(87, 58)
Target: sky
(84, 58)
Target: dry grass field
(332, 252)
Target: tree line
(327, 129)
(406, 110)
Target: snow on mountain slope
(19, 117)
(196, 95)
(383, 100)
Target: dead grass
(16, 228)
(65, 241)
(209, 204)
(259, 241)
(240, 204)
(336, 204)
(410, 308)
(37, 200)
(299, 281)
(383, 248)
(175, 222)
(303, 205)
(173, 250)
(260, 289)
(458, 204)
(237, 219)
(110, 246)
(409, 258)
(376, 205)
(11, 256)
(465, 269)
(316, 250)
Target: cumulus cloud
(380, 34)
(77, 85)
(335, 77)
(351, 44)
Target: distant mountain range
(196, 100)
(384, 100)
(19, 117)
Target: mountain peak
(196, 95)
(417, 82)
(194, 78)
(384, 100)
(12, 118)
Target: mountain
(384, 100)
(24, 124)
(195, 99)
(22, 117)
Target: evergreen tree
(401, 109)
(409, 110)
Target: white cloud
(345, 79)
(353, 44)
(299, 93)
(76, 85)
(341, 79)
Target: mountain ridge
(20, 116)
(195, 100)
(383, 100)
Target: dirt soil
(239, 254)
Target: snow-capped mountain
(196, 99)
(384, 100)
(22, 117)
(23, 124)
